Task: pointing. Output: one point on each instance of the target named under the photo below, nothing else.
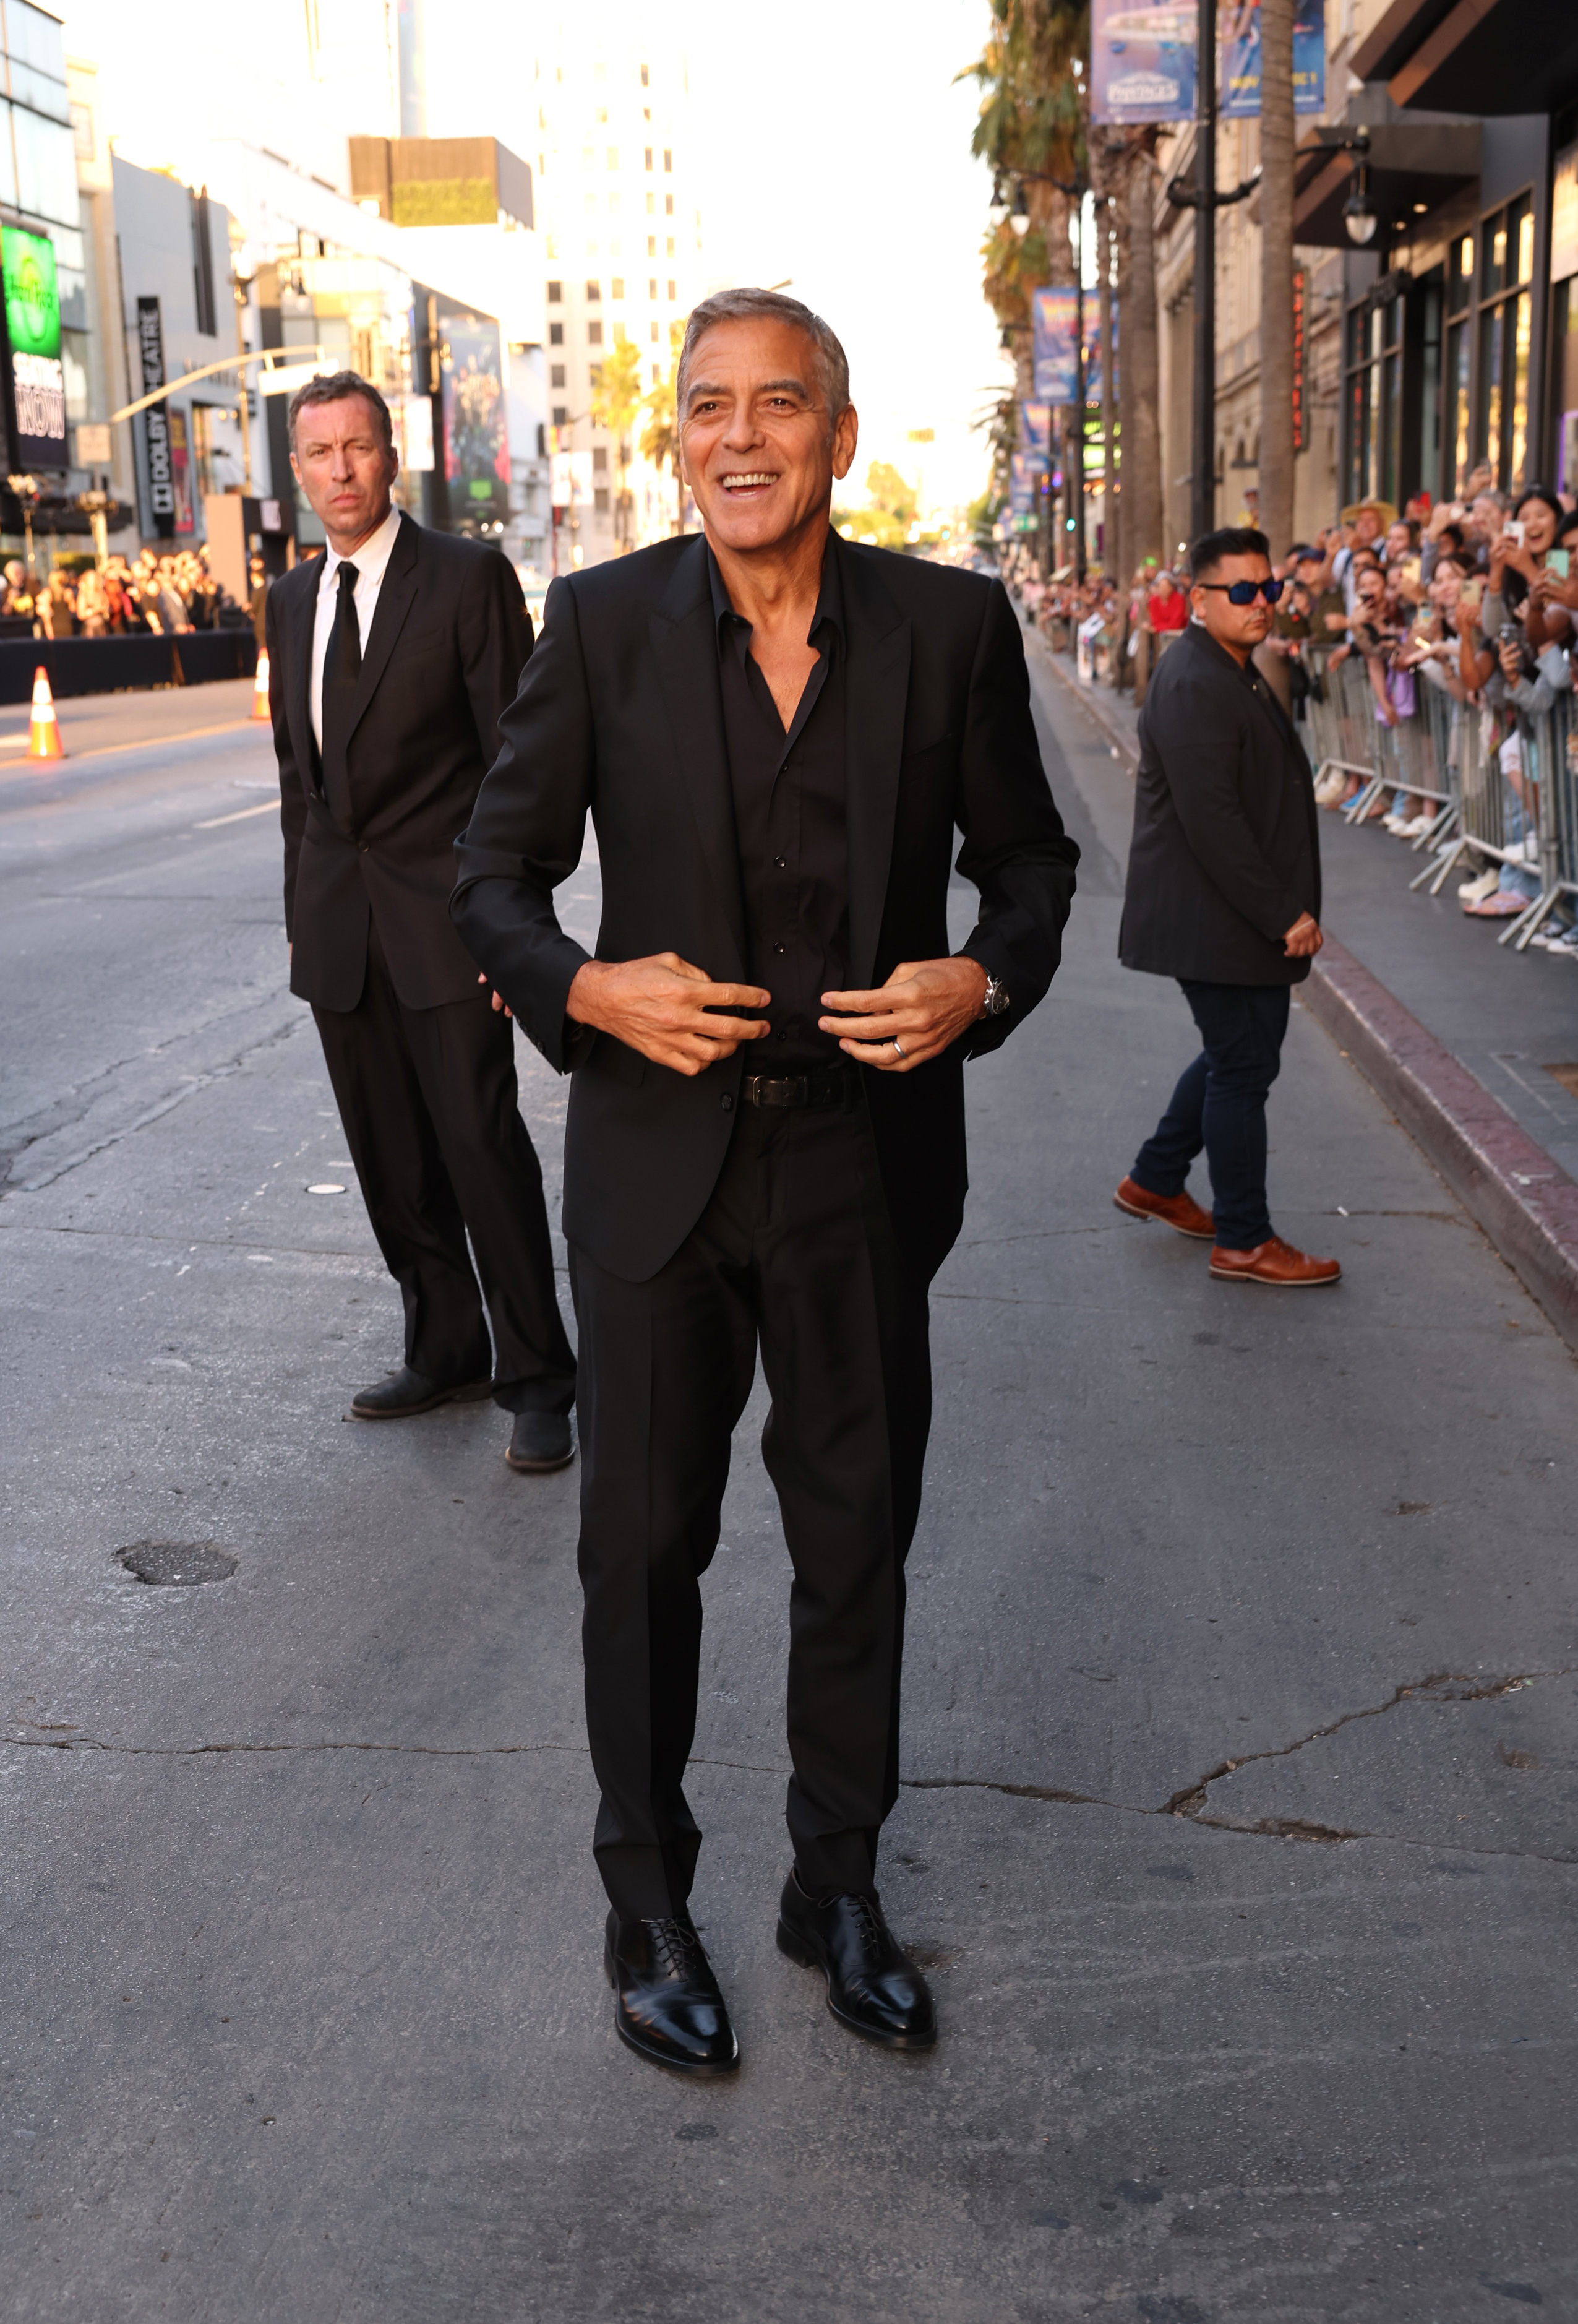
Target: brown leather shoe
(1179, 1211)
(1275, 1261)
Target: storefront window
(1374, 390)
(1506, 320)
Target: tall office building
(618, 204)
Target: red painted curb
(1509, 1185)
(1524, 1202)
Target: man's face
(754, 438)
(1237, 627)
(1366, 527)
(341, 463)
(1487, 517)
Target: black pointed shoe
(667, 2004)
(406, 1393)
(873, 1986)
(540, 1441)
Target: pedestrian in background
(390, 658)
(778, 736)
(1223, 894)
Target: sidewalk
(1472, 1044)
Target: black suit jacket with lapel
(1227, 850)
(449, 638)
(620, 717)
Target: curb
(1510, 1186)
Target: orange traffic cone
(43, 733)
(261, 688)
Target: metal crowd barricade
(1549, 800)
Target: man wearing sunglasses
(1223, 894)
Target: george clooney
(776, 736)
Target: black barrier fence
(106, 665)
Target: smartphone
(1513, 531)
(1473, 589)
(1559, 561)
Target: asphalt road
(1239, 1820)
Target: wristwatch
(997, 999)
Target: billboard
(1054, 322)
(35, 381)
(476, 444)
(1240, 58)
(156, 419)
(1142, 59)
(1035, 431)
(1022, 478)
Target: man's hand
(1303, 938)
(659, 1006)
(499, 1002)
(921, 1010)
(1511, 657)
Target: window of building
(556, 375)
(555, 294)
(655, 334)
(652, 288)
(650, 157)
(599, 459)
(594, 293)
(1505, 323)
(587, 157)
(613, 204)
(671, 290)
(1455, 408)
(1374, 394)
(613, 157)
(657, 376)
(561, 415)
(667, 158)
(617, 287)
(594, 335)
(668, 205)
(556, 335)
(599, 500)
(645, 78)
(671, 245)
(652, 246)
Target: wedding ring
(895, 1042)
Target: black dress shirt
(789, 820)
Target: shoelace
(868, 1922)
(676, 1947)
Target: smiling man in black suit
(776, 736)
(390, 658)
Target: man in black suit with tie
(1223, 894)
(776, 736)
(390, 658)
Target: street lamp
(1019, 216)
(997, 210)
(1359, 218)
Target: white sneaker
(1475, 891)
(1418, 828)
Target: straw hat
(1383, 510)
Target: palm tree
(1276, 141)
(616, 398)
(660, 436)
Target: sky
(835, 152)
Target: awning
(1474, 56)
(1414, 167)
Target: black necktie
(342, 669)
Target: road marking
(214, 822)
(14, 742)
(153, 743)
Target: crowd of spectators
(1468, 608)
(149, 594)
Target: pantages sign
(156, 419)
(35, 382)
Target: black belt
(829, 1085)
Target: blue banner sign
(1054, 318)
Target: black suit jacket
(619, 715)
(1225, 853)
(450, 636)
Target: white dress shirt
(372, 562)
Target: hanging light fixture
(1019, 216)
(998, 210)
(1359, 218)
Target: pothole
(177, 1564)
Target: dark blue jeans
(1220, 1105)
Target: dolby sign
(35, 382)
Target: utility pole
(1202, 476)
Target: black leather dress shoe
(406, 1393)
(540, 1441)
(873, 1986)
(667, 2004)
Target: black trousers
(1220, 1104)
(793, 1251)
(428, 1101)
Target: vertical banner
(35, 382)
(1035, 432)
(1054, 311)
(1240, 58)
(1142, 59)
(476, 447)
(1300, 331)
(156, 419)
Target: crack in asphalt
(60, 1114)
(1439, 1686)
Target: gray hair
(832, 364)
(330, 389)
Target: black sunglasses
(1244, 593)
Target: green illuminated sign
(32, 297)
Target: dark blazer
(450, 636)
(1225, 853)
(619, 715)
